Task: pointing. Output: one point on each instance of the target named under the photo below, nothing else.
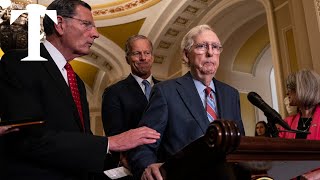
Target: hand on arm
(7, 129)
(152, 172)
(133, 138)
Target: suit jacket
(314, 126)
(123, 104)
(176, 111)
(59, 149)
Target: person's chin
(207, 71)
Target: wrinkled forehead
(140, 44)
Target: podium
(222, 153)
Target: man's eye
(135, 53)
(87, 24)
(201, 46)
(215, 46)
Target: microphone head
(254, 98)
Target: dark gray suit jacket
(59, 149)
(123, 104)
(176, 111)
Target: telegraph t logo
(35, 11)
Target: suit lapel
(189, 95)
(135, 89)
(219, 94)
(61, 84)
(84, 104)
(220, 102)
(54, 72)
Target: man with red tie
(64, 147)
(181, 109)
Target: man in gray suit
(177, 108)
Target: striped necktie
(210, 105)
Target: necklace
(304, 123)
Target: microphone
(271, 114)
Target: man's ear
(185, 57)
(60, 26)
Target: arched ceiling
(165, 22)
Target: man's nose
(209, 52)
(94, 32)
(142, 56)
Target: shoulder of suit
(170, 82)
(220, 84)
(14, 55)
(119, 85)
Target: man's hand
(7, 129)
(152, 172)
(133, 138)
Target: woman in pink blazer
(303, 90)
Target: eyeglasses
(87, 24)
(203, 48)
(138, 54)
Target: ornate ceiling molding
(187, 14)
(121, 8)
(317, 6)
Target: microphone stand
(274, 132)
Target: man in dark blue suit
(123, 103)
(177, 108)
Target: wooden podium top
(224, 136)
(222, 143)
(275, 149)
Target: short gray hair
(188, 40)
(306, 84)
(133, 38)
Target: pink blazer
(314, 126)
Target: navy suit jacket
(59, 149)
(176, 111)
(123, 104)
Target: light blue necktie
(147, 88)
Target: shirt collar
(139, 79)
(57, 57)
(200, 86)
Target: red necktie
(74, 90)
(210, 105)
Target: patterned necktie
(147, 88)
(74, 90)
(210, 105)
